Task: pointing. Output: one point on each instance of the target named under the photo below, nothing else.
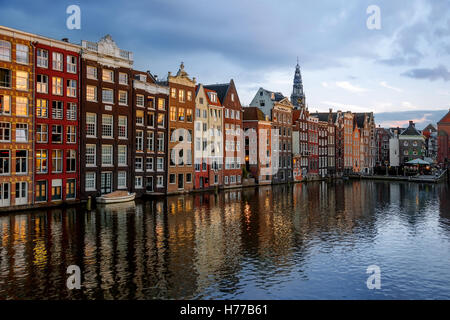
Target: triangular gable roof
(445, 119)
(410, 131)
(220, 89)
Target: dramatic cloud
(437, 73)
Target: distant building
(412, 144)
(298, 96)
(265, 100)
(382, 137)
(431, 141)
(394, 148)
(444, 139)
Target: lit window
(108, 75)
(22, 80)
(57, 86)
(21, 106)
(91, 93)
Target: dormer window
(213, 97)
(141, 77)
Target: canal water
(304, 241)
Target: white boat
(116, 197)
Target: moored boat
(116, 197)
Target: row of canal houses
(78, 121)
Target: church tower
(298, 96)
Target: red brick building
(444, 139)
(57, 113)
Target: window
(123, 78)
(121, 179)
(21, 106)
(91, 93)
(180, 114)
(150, 141)
(57, 161)
(42, 83)
(138, 182)
(159, 181)
(161, 104)
(5, 161)
(107, 126)
(5, 78)
(70, 188)
(107, 155)
(172, 178)
(151, 102)
(139, 140)
(173, 113)
(181, 95)
(138, 165)
(139, 100)
(42, 58)
(189, 95)
(160, 142)
(41, 133)
(160, 164)
(91, 124)
(71, 112)
(107, 95)
(71, 160)
(57, 110)
(57, 61)
(41, 161)
(108, 75)
(150, 119)
(161, 120)
(21, 53)
(90, 155)
(140, 117)
(22, 80)
(5, 105)
(123, 97)
(122, 127)
(173, 92)
(122, 155)
(90, 181)
(91, 72)
(21, 161)
(5, 131)
(232, 97)
(5, 50)
(57, 134)
(56, 189)
(189, 115)
(71, 64)
(71, 90)
(71, 134)
(149, 164)
(188, 177)
(21, 132)
(57, 86)
(41, 190)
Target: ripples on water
(306, 241)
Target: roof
(220, 89)
(323, 116)
(446, 118)
(217, 103)
(277, 96)
(430, 128)
(254, 113)
(411, 130)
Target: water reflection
(303, 241)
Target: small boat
(116, 197)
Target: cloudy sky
(404, 66)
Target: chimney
(65, 39)
(411, 123)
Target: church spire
(298, 96)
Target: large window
(122, 127)
(91, 72)
(91, 93)
(5, 160)
(56, 189)
(5, 105)
(22, 53)
(21, 106)
(139, 100)
(42, 58)
(180, 114)
(173, 113)
(41, 190)
(122, 179)
(57, 110)
(5, 50)
(91, 155)
(57, 134)
(150, 141)
(70, 188)
(149, 164)
(5, 131)
(91, 124)
(71, 90)
(139, 117)
(139, 140)
(107, 126)
(22, 80)
(107, 95)
(41, 133)
(71, 64)
(71, 111)
(161, 104)
(90, 181)
(42, 83)
(123, 97)
(161, 120)
(138, 165)
(107, 155)
(57, 61)
(189, 115)
(5, 78)
(71, 160)
(160, 164)
(108, 75)
(57, 161)
(21, 132)
(160, 142)
(71, 134)
(41, 161)
(122, 155)
(57, 86)
(123, 78)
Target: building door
(4, 194)
(21, 193)
(180, 181)
(149, 184)
(201, 182)
(106, 182)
